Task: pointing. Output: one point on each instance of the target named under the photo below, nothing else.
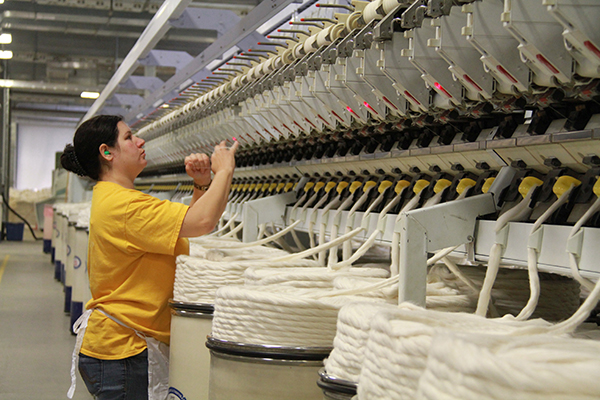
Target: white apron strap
(158, 364)
(79, 328)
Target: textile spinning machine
(462, 108)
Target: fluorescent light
(6, 54)
(1, 1)
(90, 95)
(5, 38)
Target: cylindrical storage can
(254, 372)
(81, 288)
(48, 231)
(64, 224)
(56, 244)
(334, 388)
(189, 359)
(69, 270)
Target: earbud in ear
(107, 152)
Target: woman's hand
(197, 167)
(223, 158)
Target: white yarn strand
(476, 367)
(532, 257)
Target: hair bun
(69, 161)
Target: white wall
(36, 148)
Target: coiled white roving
(197, 279)
(307, 277)
(399, 342)
(494, 367)
(277, 315)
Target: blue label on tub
(76, 262)
(175, 394)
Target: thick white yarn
(558, 299)
(445, 292)
(399, 342)
(587, 331)
(197, 279)
(307, 277)
(486, 367)
(439, 296)
(247, 253)
(277, 315)
(353, 326)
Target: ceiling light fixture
(6, 54)
(5, 38)
(90, 95)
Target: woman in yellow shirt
(123, 337)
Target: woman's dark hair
(83, 156)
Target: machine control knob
(482, 165)
(518, 164)
(552, 162)
(457, 167)
(592, 160)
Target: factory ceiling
(64, 47)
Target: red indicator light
(472, 82)
(352, 111)
(411, 97)
(547, 63)
(504, 72)
(590, 46)
(337, 116)
(389, 102)
(370, 108)
(324, 120)
(441, 88)
(270, 133)
(260, 135)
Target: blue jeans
(125, 379)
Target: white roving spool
(197, 279)
(307, 277)
(495, 367)
(399, 342)
(277, 315)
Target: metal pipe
(5, 179)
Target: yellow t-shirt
(133, 243)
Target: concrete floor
(35, 342)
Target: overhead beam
(45, 86)
(156, 29)
(247, 26)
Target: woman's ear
(105, 152)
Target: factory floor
(35, 342)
